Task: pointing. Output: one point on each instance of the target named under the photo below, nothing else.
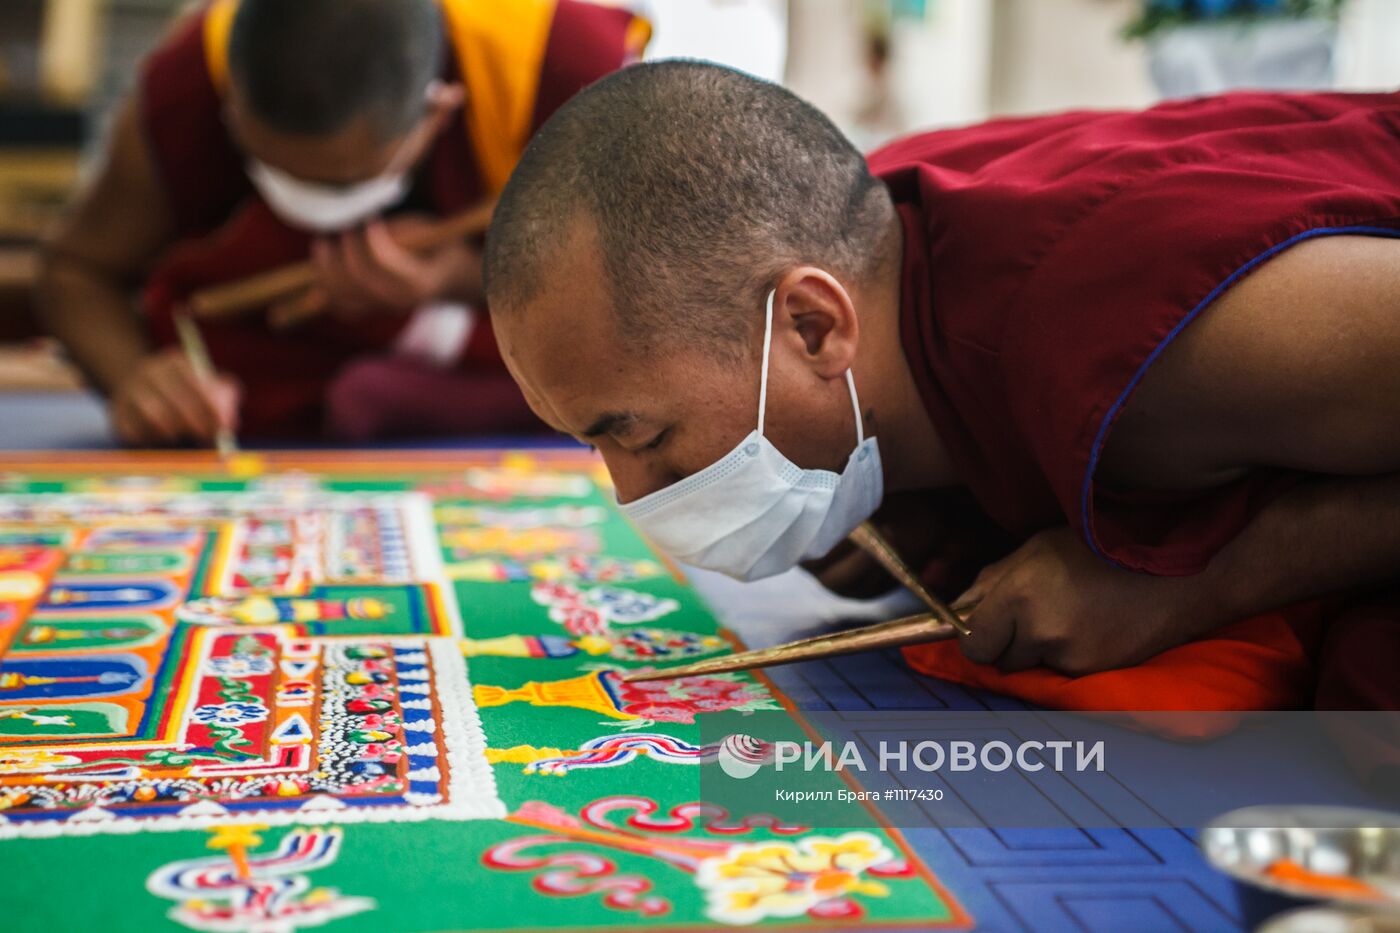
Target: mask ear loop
(763, 378)
(855, 404)
(763, 372)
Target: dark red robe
(226, 232)
(1050, 260)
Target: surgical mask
(325, 208)
(754, 513)
(328, 208)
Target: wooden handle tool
(873, 543)
(234, 298)
(193, 345)
(910, 630)
(939, 623)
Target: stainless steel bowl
(1332, 920)
(1328, 842)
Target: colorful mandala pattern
(392, 738)
(276, 658)
(744, 882)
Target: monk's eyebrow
(613, 422)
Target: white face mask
(325, 208)
(328, 208)
(754, 512)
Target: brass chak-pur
(941, 622)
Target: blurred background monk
(1141, 365)
(271, 131)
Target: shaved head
(697, 186)
(632, 251)
(313, 66)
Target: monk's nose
(633, 478)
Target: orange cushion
(1261, 663)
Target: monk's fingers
(993, 627)
(226, 395)
(149, 420)
(1025, 649)
(393, 259)
(127, 427)
(382, 286)
(142, 414)
(986, 581)
(332, 276)
(185, 396)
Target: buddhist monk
(268, 131)
(1143, 366)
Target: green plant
(1160, 15)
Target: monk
(1142, 366)
(267, 132)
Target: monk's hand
(1052, 602)
(162, 401)
(369, 271)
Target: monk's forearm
(93, 317)
(1323, 536)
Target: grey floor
(53, 421)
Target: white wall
(1370, 45)
(939, 67)
(942, 67)
(750, 35)
(1059, 54)
(1062, 54)
(824, 62)
(971, 59)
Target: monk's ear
(445, 98)
(814, 304)
(446, 95)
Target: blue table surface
(1062, 878)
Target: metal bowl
(1332, 920)
(1305, 854)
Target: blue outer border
(1086, 489)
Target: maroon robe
(1049, 261)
